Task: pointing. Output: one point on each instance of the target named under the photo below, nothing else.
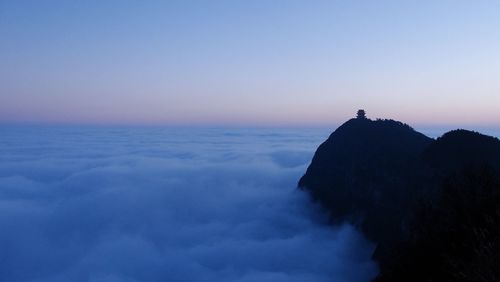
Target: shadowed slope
(362, 172)
(432, 206)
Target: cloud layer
(150, 204)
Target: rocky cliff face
(378, 174)
(364, 173)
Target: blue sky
(258, 63)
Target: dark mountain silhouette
(382, 176)
(462, 148)
(364, 172)
(456, 237)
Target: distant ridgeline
(432, 206)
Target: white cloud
(167, 205)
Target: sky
(249, 63)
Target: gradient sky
(262, 63)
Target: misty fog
(153, 204)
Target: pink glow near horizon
(250, 64)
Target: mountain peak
(359, 168)
(373, 172)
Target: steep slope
(432, 206)
(455, 235)
(364, 171)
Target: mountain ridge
(377, 175)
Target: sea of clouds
(155, 204)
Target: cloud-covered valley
(152, 204)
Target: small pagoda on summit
(361, 114)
